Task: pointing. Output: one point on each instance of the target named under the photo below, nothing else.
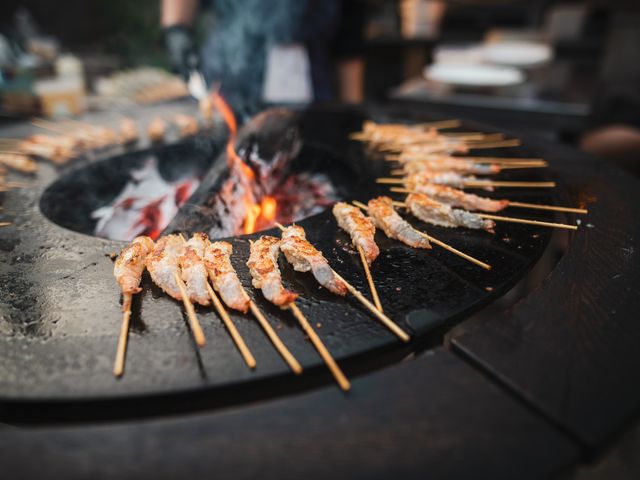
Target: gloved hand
(181, 50)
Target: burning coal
(248, 188)
(255, 187)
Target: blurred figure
(615, 131)
(263, 52)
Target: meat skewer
(361, 229)
(18, 161)
(156, 129)
(195, 250)
(226, 282)
(424, 206)
(434, 240)
(303, 247)
(129, 132)
(456, 180)
(305, 257)
(436, 213)
(406, 157)
(187, 125)
(266, 276)
(193, 271)
(394, 226)
(445, 165)
(128, 271)
(162, 264)
(469, 201)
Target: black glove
(181, 50)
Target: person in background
(615, 130)
(270, 52)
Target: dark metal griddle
(60, 303)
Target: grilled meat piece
(130, 264)
(193, 270)
(224, 277)
(449, 165)
(156, 129)
(387, 219)
(360, 227)
(437, 213)
(162, 264)
(458, 198)
(263, 265)
(305, 257)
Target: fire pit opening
(144, 192)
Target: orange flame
(269, 208)
(255, 214)
(228, 117)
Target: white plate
(473, 75)
(517, 54)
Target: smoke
(235, 50)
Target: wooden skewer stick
(494, 183)
(275, 339)
(194, 324)
(52, 127)
(499, 218)
(233, 331)
(335, 370)
(511, 142)
(547, 207)
(478, 183)
(121, 351)
(386, 321)
(402, 171)
(534, 206)
(372, 286)
(5, 224)
(440, 243)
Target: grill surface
(61, 310)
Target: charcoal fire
(254, 186)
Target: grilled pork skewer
(198, 244)
(128, 271)
(17, 161)
(193, 269)
(162, 264)
(130, 264)
(469, 201)
(265, 274)
(360, 227)
(458, 198)
(187, 125)
(263, 265)
(394, 226)
(129, 132)
(305, 257)
(446, 165)
(225, 280)
(224, 277)
(436, 213)
(156, 129)
(386, 321)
